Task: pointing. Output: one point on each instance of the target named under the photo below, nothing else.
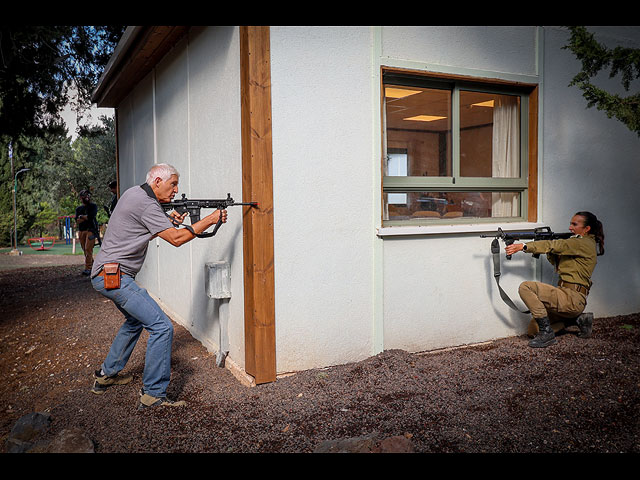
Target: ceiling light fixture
(392, 92)
(488, 103)
(424, 118)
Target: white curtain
(505, 153)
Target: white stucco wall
(438, 290)
(504, 49)
(592, 163)
(187, 113)
(323, 199)
(344, 293)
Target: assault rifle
(193, 208)
(540, 233)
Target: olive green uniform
(574, 259)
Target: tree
(596, 57)
(38, 67)
(45, 220)
(94, 164)
(58, 171)
(45, 156)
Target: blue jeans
(140, 311)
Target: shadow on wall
(213, 285)
(508, 268)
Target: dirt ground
(11, 262)
(580, 395)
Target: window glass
(453, 148)
(397, 167)
(418, 122)
(449, 205)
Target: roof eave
(137, 53)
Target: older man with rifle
(138, 219)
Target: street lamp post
(15, 220)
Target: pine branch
(595, 57)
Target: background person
(87, 225)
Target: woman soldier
(574, 259)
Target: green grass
(57, 249)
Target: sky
(91, 117)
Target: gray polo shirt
(138, 218)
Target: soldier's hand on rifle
(215, 216)
(176, 218)
(513, 248)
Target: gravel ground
(11, 262)
(500, 397)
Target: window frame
(526, 184)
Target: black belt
(574, 286)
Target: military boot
(545, 336)
(585, 324)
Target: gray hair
(162, 170)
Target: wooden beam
(257, 186)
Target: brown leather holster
(111, 273)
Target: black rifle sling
(204, 234)
(495, 251)
(207, 234)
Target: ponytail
(597, 230)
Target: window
(455, 150)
